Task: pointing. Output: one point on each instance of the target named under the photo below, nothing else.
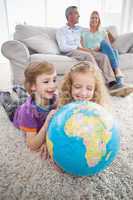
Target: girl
(96, 40)
(84, 82)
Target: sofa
(32, 43)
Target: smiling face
(45, 87)
(83, 86)
(94, 20)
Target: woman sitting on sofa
(96, 39)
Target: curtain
(127, 16)
(110, 12)
(56, 11)
(4, 33)
(25, 12)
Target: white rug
(24, 176)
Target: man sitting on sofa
(68, 39)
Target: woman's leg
(116, 55)
(106, 48)
(113, 56)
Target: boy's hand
(44, 152)
(54, 166)
(46, 123)
(49, 116)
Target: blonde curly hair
(101, 95)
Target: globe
(82, 138)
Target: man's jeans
(112, 54)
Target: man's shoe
(114, 85)
(122, 91)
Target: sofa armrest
(123, 42)
(15, 50)
(131, 49)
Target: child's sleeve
(25, 121)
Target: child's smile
(83, 86)
(45, 87)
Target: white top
(68, 38)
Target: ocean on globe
(82, 138)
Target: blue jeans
(112, 54)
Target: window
(86, 7)
(110, 11)
(56, 11)
(23, 11)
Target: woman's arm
(87, 49)
(82, 48)
(81, 42)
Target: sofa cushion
(42, 44)
(124, 42)
(23, 31)
(62, 63)
(126, 61)
(112, 30)
(130, 50)
(111, 37)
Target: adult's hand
(97, 49)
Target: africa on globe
(83, 138)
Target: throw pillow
(110, 36)
(112, 30)
(42, 44)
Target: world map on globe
(82, 138)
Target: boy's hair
(100, 92)
(35, 69)
(69, 10)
